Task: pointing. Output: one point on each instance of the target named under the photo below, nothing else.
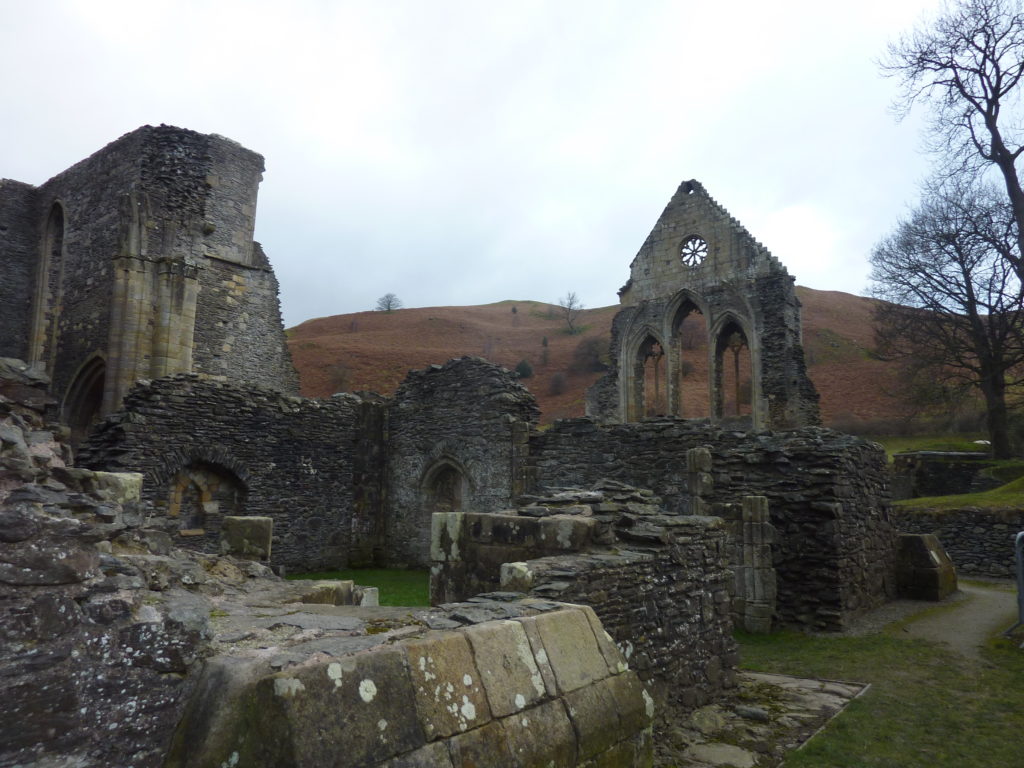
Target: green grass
(1009, 496)
(397, 587)
(926, 707)
(903, 443)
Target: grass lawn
(1009, 496)
(926, 707)
(397, 587)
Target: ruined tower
(137, 263)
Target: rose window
(694, 251)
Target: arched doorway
(444, 488)
(202, 494)
(689, 392)
(734, 385)
(648, 386)
(84, 399)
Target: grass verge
(1009, 496)
(397, 587)
(926, 707)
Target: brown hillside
(374, 351)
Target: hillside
(374, 350)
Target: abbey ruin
(133, 290)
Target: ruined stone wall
(827, 496)
(509, 683)
(19, 253)
(247, 346)
(978, 541)
(698, 258)
(139, 261)
(91, 196)
(468, 422)
(658, 582)
(294, 459)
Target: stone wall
(941, 473)
(243, 346)
(658, 582)
(457, 440)
(524, 683)
(827, 497)
(19, 253)
(978, 541)
(288, 458)
(138, 262)
(699, 259)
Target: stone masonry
(827, 499)
(699, 259)
(136, 263)
(659, 582)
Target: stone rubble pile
(102, 621)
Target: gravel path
(986, 610)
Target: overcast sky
(467, 152)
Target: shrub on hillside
(523, 369)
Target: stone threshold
(769, 717)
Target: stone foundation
(659, 583)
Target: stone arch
(645, 365)
(49, 285)
(688, 380)
(201, 494)
(83, 400)
(174, 461)
(444, 487)
(735, 388)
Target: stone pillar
(699, 481)
(128, 344)
(175, 320)
(755, 589)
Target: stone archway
(201, 495)
(83, 402)
(647, 392)
(733, 387)
(688, 380)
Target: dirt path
(986, 609)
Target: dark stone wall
(92, 196)
(942, 473)
(19, 253)
(468, 414)
(160, 194)
(294, 457)
(827, 494)
(978, 541)
(247, 346)
(659, 582)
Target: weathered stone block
(572, 649)
(507, 667)
(247, 537)
(923, 569)
(481, 746)
(541, 736)
(449, 693)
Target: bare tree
(571, 308)
(966, 66)
(953, 302)
(388, 303)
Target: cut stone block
(247, 537)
